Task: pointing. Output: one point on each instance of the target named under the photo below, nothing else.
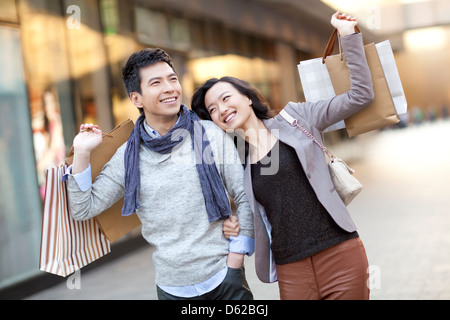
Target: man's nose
(168, 87)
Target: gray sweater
(188, 249)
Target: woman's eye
(226, 98)
(211, 110)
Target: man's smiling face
(161, 92)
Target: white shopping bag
(389, 66)
(317, 84)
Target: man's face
(161, 92)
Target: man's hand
(231, 227)
(344, 24)
(89, 138)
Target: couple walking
(303, 234)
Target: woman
(305, 237)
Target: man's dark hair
(130, 72)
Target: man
(172, 173)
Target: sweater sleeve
(325, 113)
(107, 189)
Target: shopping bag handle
(109, 134)
(330, 45)
(72, 150)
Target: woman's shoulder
(295, 109)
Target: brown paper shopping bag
(66, 245)
(381, 112)
(111, 221)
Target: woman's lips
(229, 117)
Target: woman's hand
(231, 227)
(344, 24)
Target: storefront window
(264, 74)
(89, 66)
(49, 89)
(20, 207)
(119, 46)
(8, 11)
(48, 135)
(152, 27)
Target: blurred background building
(61, 61)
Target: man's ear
(136, 99)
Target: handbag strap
(293, 122)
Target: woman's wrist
(346, 31)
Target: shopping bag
(66, 245)
(316, 83)
(381, 112)
(390, 70)
(111, 221)
(314, 73)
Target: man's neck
(162, 125)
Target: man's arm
(235, 260)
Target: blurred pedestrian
(178, 191)
(444, 111)
(305, 237)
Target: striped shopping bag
(66, 245)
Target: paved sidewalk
(132, 277)
(403, 215)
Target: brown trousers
(337, 273)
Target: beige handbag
(346, 185)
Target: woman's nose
(223, 108)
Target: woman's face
(228, 108)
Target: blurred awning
(378, 18)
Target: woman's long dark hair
(259, 103)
